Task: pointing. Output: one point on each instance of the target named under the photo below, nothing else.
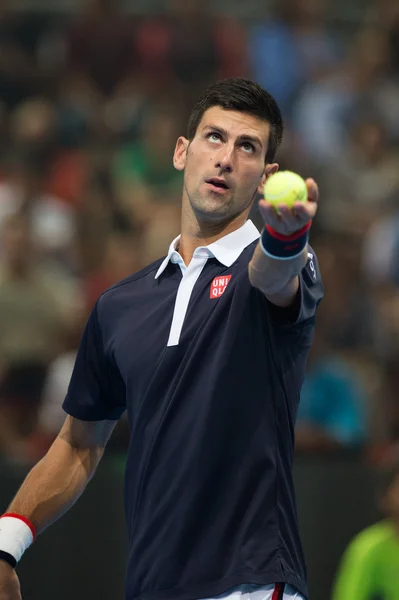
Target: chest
(171, 318)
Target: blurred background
(93, 94)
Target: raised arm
(277, 276)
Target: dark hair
(244, 96)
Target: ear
(269, 169)
(180, 154)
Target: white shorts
(259, 592)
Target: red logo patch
(218, 285)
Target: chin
(212, 215)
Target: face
(224, 165)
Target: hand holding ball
(287, 210)
(287, 213)
(285, 187)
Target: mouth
(217, 184)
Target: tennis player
(206, 349)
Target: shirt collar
(226, 250)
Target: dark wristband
(284, 247)
(8, 558)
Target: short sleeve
(96, 390)
(309, 295)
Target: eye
(214, 137)
(248, 147)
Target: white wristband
(16, 535)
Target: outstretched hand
(286, 220)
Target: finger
(313, 190)
(289, 219)
(283, 218)
(305, 210)
(269, 214)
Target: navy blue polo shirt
(210, 374)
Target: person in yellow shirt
(369, 569)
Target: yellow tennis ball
(285, 187)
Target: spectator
(31, 322)
(296, 42)
(386, 14)
(381, 272)
(323, 109)
(23, 35)
(193, 52)
(364, 180)
(35, 129)
(333, 402)
(99, 90)
(190, 47)
(370, 566)
(381, 249)
(23, 190)
(347, 308)
(101, 213)
(100, 51)
(50, 415)
(143, 172)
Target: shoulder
(129, 284)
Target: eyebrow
(241, 138)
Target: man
(369, 569)
(206, 350)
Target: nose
(224, 160)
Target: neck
(196, 233)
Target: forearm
(282, 251)
(276, 277)
(55, 483)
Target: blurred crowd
(91, 104)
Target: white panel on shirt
(190, 277)
(257, 592)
